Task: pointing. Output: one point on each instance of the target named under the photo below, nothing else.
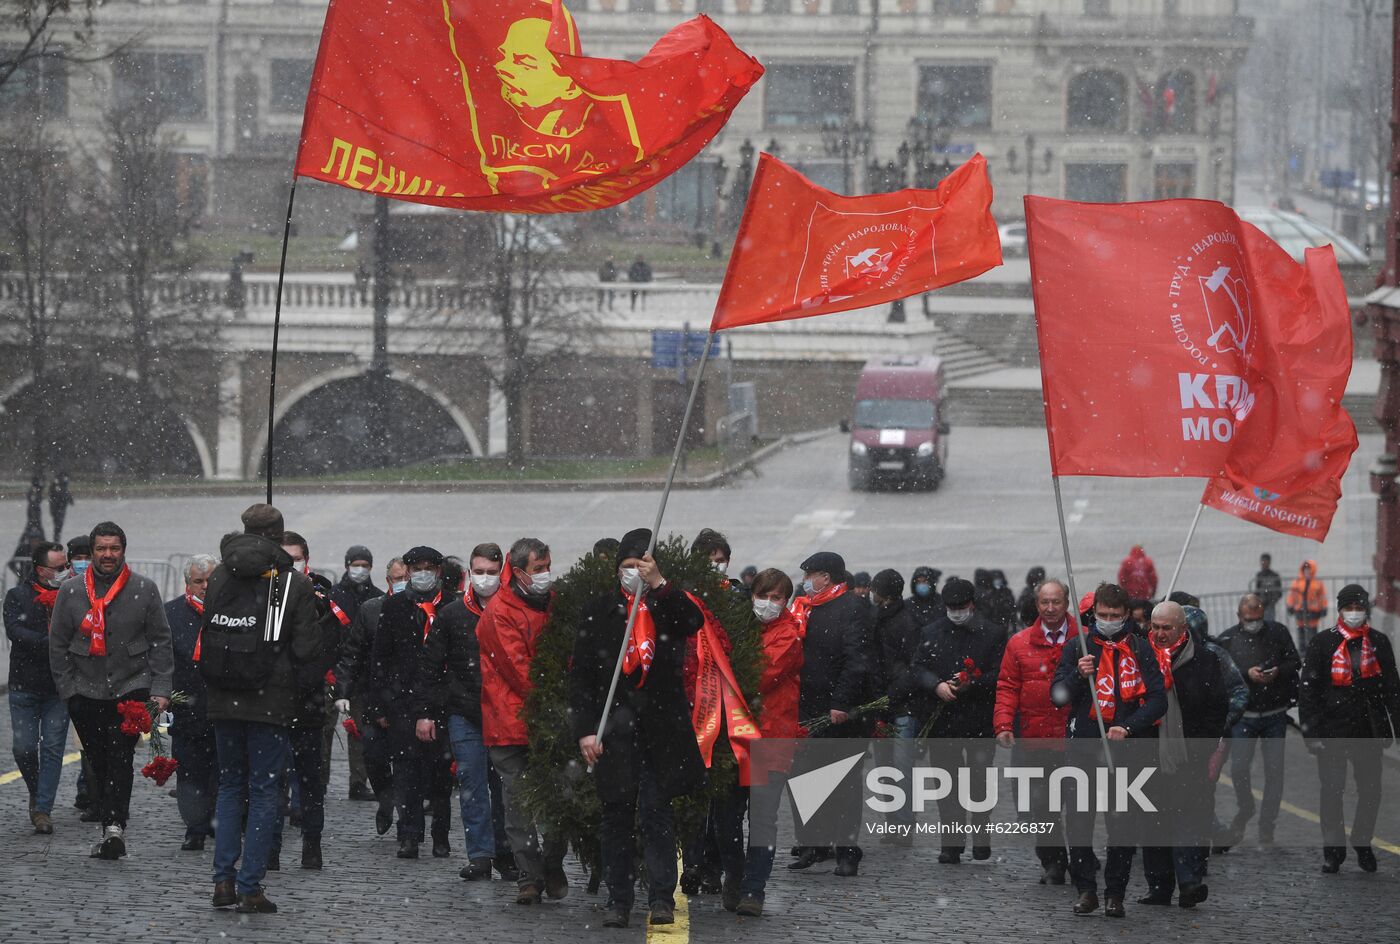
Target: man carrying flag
(648, 754)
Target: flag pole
(276, 332)
(1083, 630)
(1171, 585)
(656, 526)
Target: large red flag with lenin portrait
(1178, 340)
(803, 250)
(492, 105)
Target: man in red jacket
(506, 633)
(1024, 710)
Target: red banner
(1178, 340)
(491, 105)
(1306, 515)
(719, 703)
(803, 250)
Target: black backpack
(241, 636)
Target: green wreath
(556, 788)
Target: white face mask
(486, 585)
(358, 574)
(58, 577)
(423, 581)
(540, 583)
(398, 586)
(1354, 618)
(767, 610)
(807, 587)
(631, 579)
(721, 566)
(958, 617)
(1108, 627)
(1251, 626)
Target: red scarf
(802, 606)
(641, 648)
(1129, 678)
(1164, 660)
(94, 624)
(195, 603)
(45, 595)
(1341, 659)
(430, 608)
(340, 614)
(470, 601)
(719, 702)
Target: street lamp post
(1013, 160)
(847, 140)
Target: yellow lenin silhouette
(552, 127)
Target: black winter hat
(262, 519)
(826, 562)
(888, 584)
(957, 592)
(1353, 594)
(422, 553)
(930, 574)
(358, 552)
(634, 544)
(860, 578)
(79, 545)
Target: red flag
(804, 251)
(1170, 329)
(1307, 514)
(491, 105)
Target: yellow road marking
(14, 775)
(1310, 816)
(678, 933)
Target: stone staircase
(961, 358)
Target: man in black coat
(192, 741)
(1349, 707)
(953, 689)
(897, 634)
(648, 754)
(356, 587)
(834, 679)
(420, 751)
(1263, 650)
(1198, 702)
(1122, 668)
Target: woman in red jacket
(778, 689)
(1024, 710)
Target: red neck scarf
(195, 603)
(45, 595)
(1341, 659)
(719, 702)
(470, 601)
(429, 608)
(94, 624)
(802, 607)
(641, 647)
(1164, 660)
(1129, 679)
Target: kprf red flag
(803, 250)
(491, 105)
(1307, 514)
(1178, 340)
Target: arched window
(1176, 102)
(1097, 101)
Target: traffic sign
(669, 349)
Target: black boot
(408, 849)
(384, 816)
(311, 852)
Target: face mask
(807, 587)
(767, 610)
(80, 567)
(301, 567)
(958, 617)
(1353, 618)
(720, 566)
(398, 586)
(358, 574)
(922, 589)
(58, 577)
(540, 583)
(423, 580)
(1108, 627)
(486, 584)
(1252, 626)
(631, 579)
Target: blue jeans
(251, 758)
(763, 822)
(473, 786)
(197, 777)
(1271, 732)
(40, 731)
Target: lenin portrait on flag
(531, 122)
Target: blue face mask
(80, 567)
(398, 586)
(922, 589)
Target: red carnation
(454, 770)
(802, 731)
(160, 769)
(883, 729)
(330, 677)
(351, 728)
(136, 719)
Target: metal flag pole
(656, 527)
(1083, 630)
(1171, 585)
(276, 332)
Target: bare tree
(36, 22)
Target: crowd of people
(261, 661)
